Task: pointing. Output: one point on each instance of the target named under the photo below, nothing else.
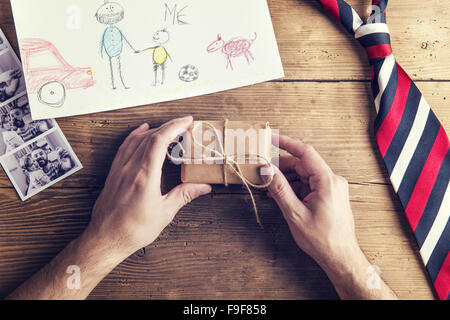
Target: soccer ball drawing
(189, 73)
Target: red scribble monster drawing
(234, 48)
(48, 74)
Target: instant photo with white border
(40, 163)
(16, 125)
(12, 80)
(3, 45)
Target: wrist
(348, 272)
(106, 248)
(345, 265)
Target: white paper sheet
(89, 55)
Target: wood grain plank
(213, 249)
(336, 118)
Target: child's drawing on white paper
(158, 50)
(113, 39)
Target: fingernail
(144, 125)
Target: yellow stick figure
(160, 54)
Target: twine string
(229, 162)
(225, 161)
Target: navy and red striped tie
(411, 140)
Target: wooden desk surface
(214, 249)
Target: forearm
(94, 260)
(356, 279)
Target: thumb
(183, 194)
(280, 190)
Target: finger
(183, 194)
(281, 191)
(136, 146)
(174, 121)
(310, 164)
(131, 142)
(142, 128)
(309, 157)
(158, 142)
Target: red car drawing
(48, 74)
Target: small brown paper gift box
(247, 143)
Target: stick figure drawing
(160, 54)
(110, 13)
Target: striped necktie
(411, 140)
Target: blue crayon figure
(110, 13)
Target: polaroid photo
(40, 163)
(16, 125)
(12, 82)
(3, 44)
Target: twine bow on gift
(229, 162)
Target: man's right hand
(315, 203)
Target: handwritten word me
(174, 15)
